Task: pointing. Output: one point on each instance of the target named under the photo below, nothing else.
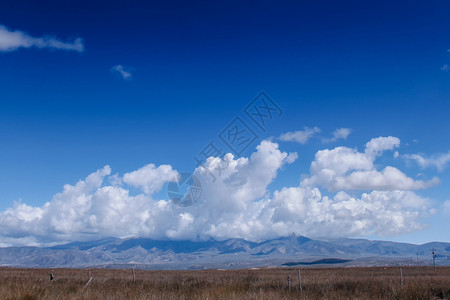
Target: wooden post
(401, 277)
(300, 281)
(134, 276)
(89, 281)
(289, 281)
(433, 251)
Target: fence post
(401, 277)
(300, 281)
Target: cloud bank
(238, 204)
(11, 40)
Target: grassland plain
(268, 283)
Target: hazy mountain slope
(232, 253)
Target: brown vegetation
(317, 283)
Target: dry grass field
(317, 283)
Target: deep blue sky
(374, 67)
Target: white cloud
(300, 136)
(92, 209)
(150, 178)
(306, 211)
(340, 133)
(445, 68)
(439, 161)
(237, 204)
(293, 156)
(344, 168)
(124, 72)
(11, 40)
(389, 178)
(396, 154)
(377, 146)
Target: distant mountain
(232, 253)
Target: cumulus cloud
(306, 211)
(150, 178)
(340, 133)
(236, 204)
(344, 168)
(124, 72)
(439, 161)
(11, 40)
(377, 146)
(300, 136)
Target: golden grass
(317, 283)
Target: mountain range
(293, 250)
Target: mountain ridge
(149, 253)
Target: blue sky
(127, 84)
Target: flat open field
(317, 283)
